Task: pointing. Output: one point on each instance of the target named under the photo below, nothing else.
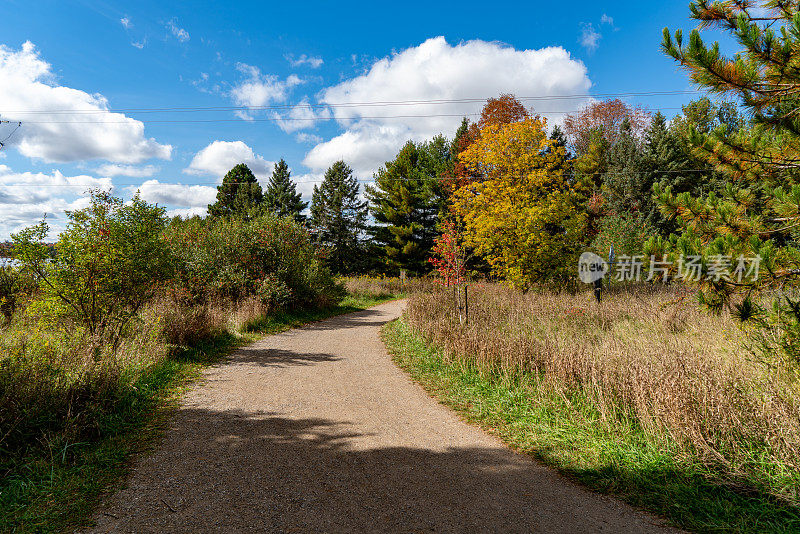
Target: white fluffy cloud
(195, 197)
(257, 89)
(304, 137)
(188, 212)
(131, 171)
(31, 94)
(301, 116)
(26, 197)
(435, 70)
(365, 147)
(221, 156)
(305, 184)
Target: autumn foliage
(505, 109)
(449, 255)
(524, 216)
(603, 118)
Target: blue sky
(86, 78)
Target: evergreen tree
(560, 138)
(239, 194)
(281, 197)
(627, 185)
(459, 144)
(338, 217)
(757, 215)
(405, 202)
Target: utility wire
(307, 105)
(313, 119)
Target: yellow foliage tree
(525, 216)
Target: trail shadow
(233, 471)
(268, 357)
(369, 317)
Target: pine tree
(560, 139)
(281, 197)
(405, 202)
(758, 213)
(627, 184)
(338, 217)
(239, 194)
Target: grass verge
(56, 485)
(569, 432)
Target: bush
(271, 258)
(110, 261)
(15, 285)
(187, 325)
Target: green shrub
(267, 257)
(15, 285)
(109, 262)
(274, 293)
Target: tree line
(523, 198)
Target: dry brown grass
(648, 353)
(377, 287)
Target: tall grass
(387, 286)
(645, 355)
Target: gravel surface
(316, 430)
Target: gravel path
(316, 430)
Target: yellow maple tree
(524, 216)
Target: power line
(313, 119)
(379, 103)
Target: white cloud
(303, 59)
(605, 19)
(26, 197)
(186, 213)
(258, 89)
(365, 147)
(221, 156)
(301, 116)
(126, 22)
(139, 44)
(131, 171)
(304, 137)
(435, 70)
(179, 33)
(305, 184)
(589, 38)
(191, 196)
(27, 84)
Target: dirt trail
(316, 430)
